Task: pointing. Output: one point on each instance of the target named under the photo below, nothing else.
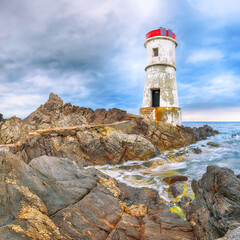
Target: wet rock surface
(201, 133)
(215, 212)
(176, 189)
(173, 179)
(56, 198)
(197, 150)
(213, 144)
(204, 132)
(231, 235)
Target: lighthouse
(160, 99)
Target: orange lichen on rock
(110, 184)
(32, 198)
(137, 211)
(134, 210)
(40, 226)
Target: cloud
(220, 9)
(86, 51)
(91, 53)
(210, 92)
(217, 114)
(24, 96)
(204, 55)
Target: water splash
(182, 161)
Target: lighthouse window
(155, 52)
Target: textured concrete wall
(163, 78)
(172, 115)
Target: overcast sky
(91, 54)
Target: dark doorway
(156, 98)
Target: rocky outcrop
(213, 144)
(204, 132)
(55, 198)
(201, 133)
(197, 150)
(91, 137)
(138, 139)
(55, 114)
(215, 212)
(11, 130)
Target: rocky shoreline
(93, 137)
(56, 198)
(46, 193)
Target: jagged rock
(110, 116)
(55, 198)
(200, 133)
(184, 200)
(11, 130)
(213, 144)
(138, 139)
(235, 134)
(53, 114)
(197, 150)
(147, 164)
(204, 132)
(216, 208)
(176, 189)
(91, 146)
(231, 235)
(91, 137)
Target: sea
(188, 164)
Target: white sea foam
(194, 165)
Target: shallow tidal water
(189, 164)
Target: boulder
(196, 150)
(204, 132)
(11, 130)
(216, 210)
(236, 135)
(56, 198)
(200, 133)
(176, 189)
(147, 164)
(213, 144)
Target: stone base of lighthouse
(172, 115)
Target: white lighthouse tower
(160, 100)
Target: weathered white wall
(163, 78)
(161, 72)
(166, 50)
